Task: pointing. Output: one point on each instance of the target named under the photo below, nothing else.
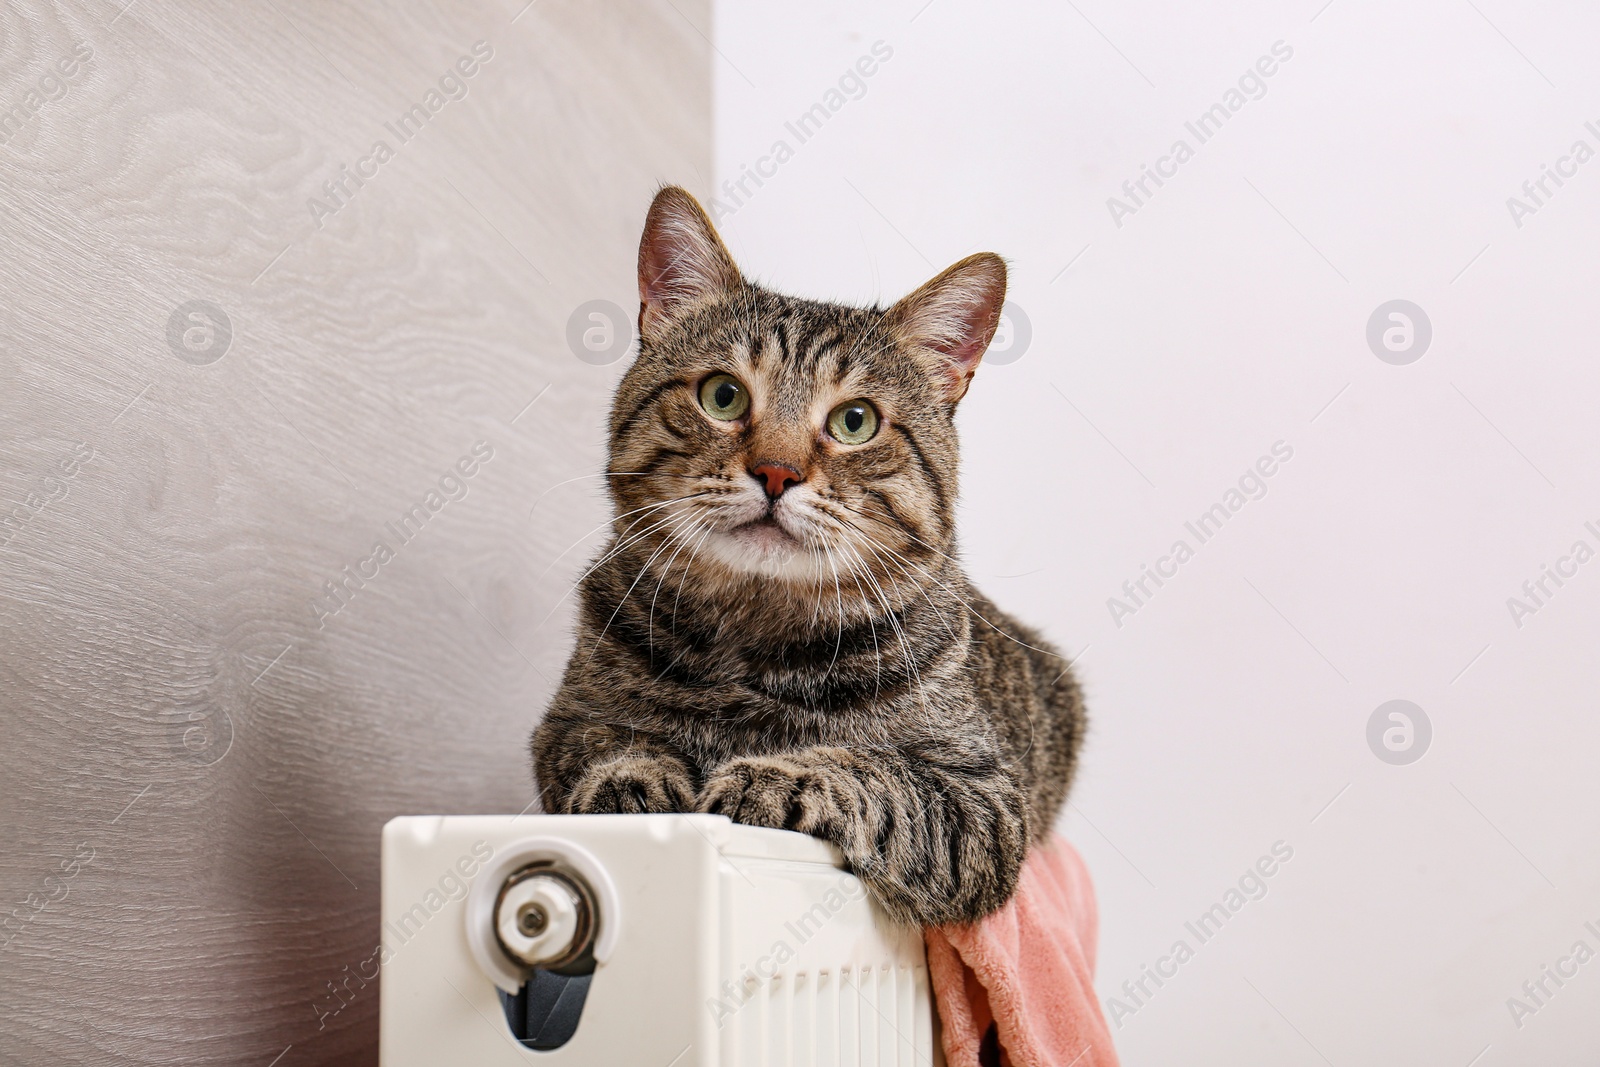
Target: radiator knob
(542, 919)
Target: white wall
(1226, 314)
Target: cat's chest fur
(750, 681)
(780, 664)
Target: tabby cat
(779, 629)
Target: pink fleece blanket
(1028, 970)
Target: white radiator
(639, 941)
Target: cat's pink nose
(777, 476)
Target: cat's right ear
(682, 261)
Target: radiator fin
(856, 1016)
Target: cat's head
(764, 435)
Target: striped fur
(835, 673)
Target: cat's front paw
(778, 792)
(631, 786)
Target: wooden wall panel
(196, 758)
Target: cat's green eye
(853, 422)
(724, 398)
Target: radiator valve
(544, 918)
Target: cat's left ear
(951, 320)
(682, 261)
